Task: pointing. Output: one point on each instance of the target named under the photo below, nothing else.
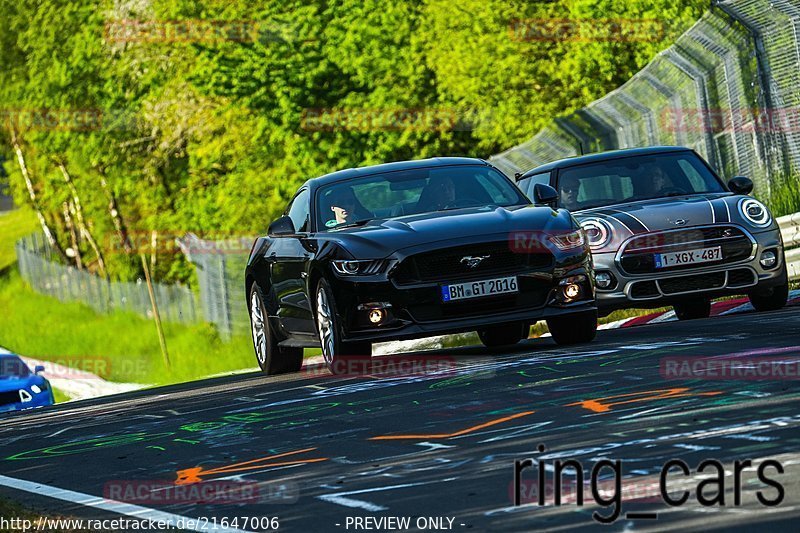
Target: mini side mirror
(740, 185)
(544, 195)
(282, 226)
(38, 370)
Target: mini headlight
(352, 267)
(598, 232)
(568, 241)
(755, 212)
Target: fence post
(161, 340)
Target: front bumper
(417, 310)
(665, 288)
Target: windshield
(12, 366)
(634, 178)
(411, 192)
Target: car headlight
(36, 389)
(353, 267)
(755, 212)
(569, 241)
(598, 232)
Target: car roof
(433, 162)
(602, 156)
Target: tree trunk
(82, 226)
(23, 167)
(113, 210)
(73, 237)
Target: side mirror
(38, 370)
(282, 226)
(740, 185)
(544, 195)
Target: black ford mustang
(411, 249)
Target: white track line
(112, 506)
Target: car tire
(504, 335)
(770, 299)
(573, 329)
(340, 357)
(271, 358)
(693, 309)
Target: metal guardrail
(790, 230)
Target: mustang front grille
(451, 264)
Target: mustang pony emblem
(474, 261)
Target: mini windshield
(634, 178)
(411, 192)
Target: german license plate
(477, 289)
(688, 257)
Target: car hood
(665, 213)
(15, 383)
(381, 237)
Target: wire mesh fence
(729, 88)
(220, 275)
(44, 274)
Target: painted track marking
(112, 506)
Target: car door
(289, 257)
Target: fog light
(572, 291)
(603, 279)
(768, 259)
(376, 316)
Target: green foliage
(784, 198)
(13, 226)
(212, 134)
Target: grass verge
(120, 346)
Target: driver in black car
(346, 208)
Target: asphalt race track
(325, 450)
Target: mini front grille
(638, 256)
(697, 282)
(496, 258)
